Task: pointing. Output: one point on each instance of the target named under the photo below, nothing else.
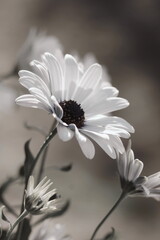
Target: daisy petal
(102, 141)
(64, 133)
(41, 97)
(86, 145)
(55, 73)
(71, 75)
(109, 120)
(104, 106)
(92, 76)
(30, 101)
(41, 71)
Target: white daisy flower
(38, 200)
(131, 182)
(34, 46)
(78, 102)
(48, 231)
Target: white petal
(122, 164)
(110, 91)
(103, 106)
(55, 73)
(42, 182)
(91, 77)
(86, 145)
(71, 75)
(138, 167)
(134, 170)
(41, 71)
(117, 132)
(102, 141)
(109, 120)
(30, 101)
(31, 75)
(43, 190)
(89, 80)
(153, 180)
(65, 134)
(117, 143)
(82, 94)
(47, 196)
(32, 82)
(100, 95)
(57, 108)
(130, 155)
(44, 99)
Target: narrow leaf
(29, 159)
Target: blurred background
(125, 37)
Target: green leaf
(29, 159)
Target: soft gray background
(125, 36)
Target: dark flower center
(72, 113)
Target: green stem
(20, 218)
(122, 196)
(45, 154)
(44, 145)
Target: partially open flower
(38, 200)
(131, 182)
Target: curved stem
(44, 145)
(45, 154)
(122, 196)
(20, 218)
